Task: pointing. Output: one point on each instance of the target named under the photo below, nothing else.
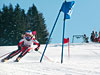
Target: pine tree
(32, 16)
(11, 22)
(4, 25)
(14, 22)
(19, 23)
(42, 31)
(1, 28)
(37, 23)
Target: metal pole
(50, 36)
(63, 39)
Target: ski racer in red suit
(24, 46)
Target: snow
(84, 59)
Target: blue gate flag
(66, 9)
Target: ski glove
(36, 49)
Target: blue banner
(66, 8)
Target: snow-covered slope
(84, 60)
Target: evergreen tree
(32, 16)
(14, 22)
(1, 28)
(4, 25)
(37, 23)
(19, 23)
(42, 31)
(11, 22)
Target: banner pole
(50, 36)
(63, 39)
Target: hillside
(84, 60)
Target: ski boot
(17, 60)
(4, 60)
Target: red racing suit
(24, 47)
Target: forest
(14, 21)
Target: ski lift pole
(63, 39)
(50, 36)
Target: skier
(24, 46)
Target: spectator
(96, 37)
(85, 38)
(99, 37)
(92, 36)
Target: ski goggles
(28, 35)
(28, 38)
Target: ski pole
(46, 57)
(5, 54)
